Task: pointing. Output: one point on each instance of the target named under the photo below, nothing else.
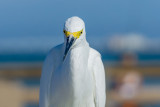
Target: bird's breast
(72, 81)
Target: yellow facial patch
(75, 34)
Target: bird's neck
(77, 58)
(74, 70)
(81, 43)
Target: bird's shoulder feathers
(56, 49)
(97, 68)
(94, 53)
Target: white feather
(78, 81)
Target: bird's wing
(44, 83)
(100, 86)
(49, 65)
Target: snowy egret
(73, 73)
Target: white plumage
(73, 73)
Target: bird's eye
(64, 31)
(81, 32)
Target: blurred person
(131, 84)
(129, 59)
(129, 104)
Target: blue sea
(37, 57)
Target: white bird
(73, 72)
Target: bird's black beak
(70, 41)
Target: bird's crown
(74, 24)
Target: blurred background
(125, 32)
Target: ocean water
(140, 56)
(33, 57)
(37, 57)
(147, 81)
(31, 105)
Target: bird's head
(74, 33)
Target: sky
(41, 20)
